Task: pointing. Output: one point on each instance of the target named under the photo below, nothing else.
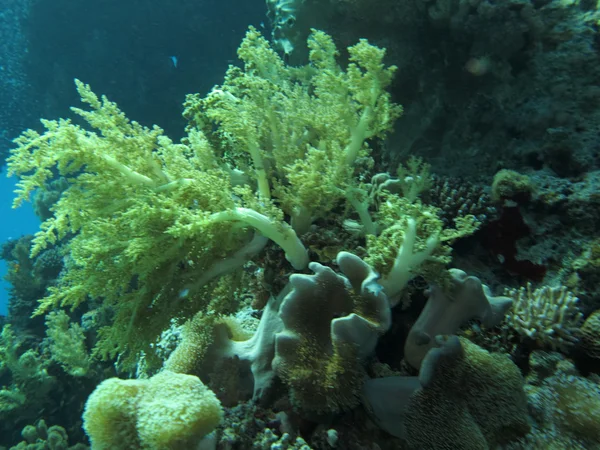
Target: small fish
(174, 61)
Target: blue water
(13, 224)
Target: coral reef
(256, 284)
(180, 215)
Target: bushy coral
(413, 241)
(28, 381)
(304, 131)
(405, 236)
(414, 179)
(137, 224)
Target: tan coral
(331, 324)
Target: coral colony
(276, 280)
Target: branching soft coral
(66, 343)
(413, 241)
(405, 237)
(302, 131)
(149, 217)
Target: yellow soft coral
(66, 342)
(149, 218)
(303, 131)
(413, 241)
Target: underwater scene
(300, 224)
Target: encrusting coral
(564, 406)
(508, 184)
